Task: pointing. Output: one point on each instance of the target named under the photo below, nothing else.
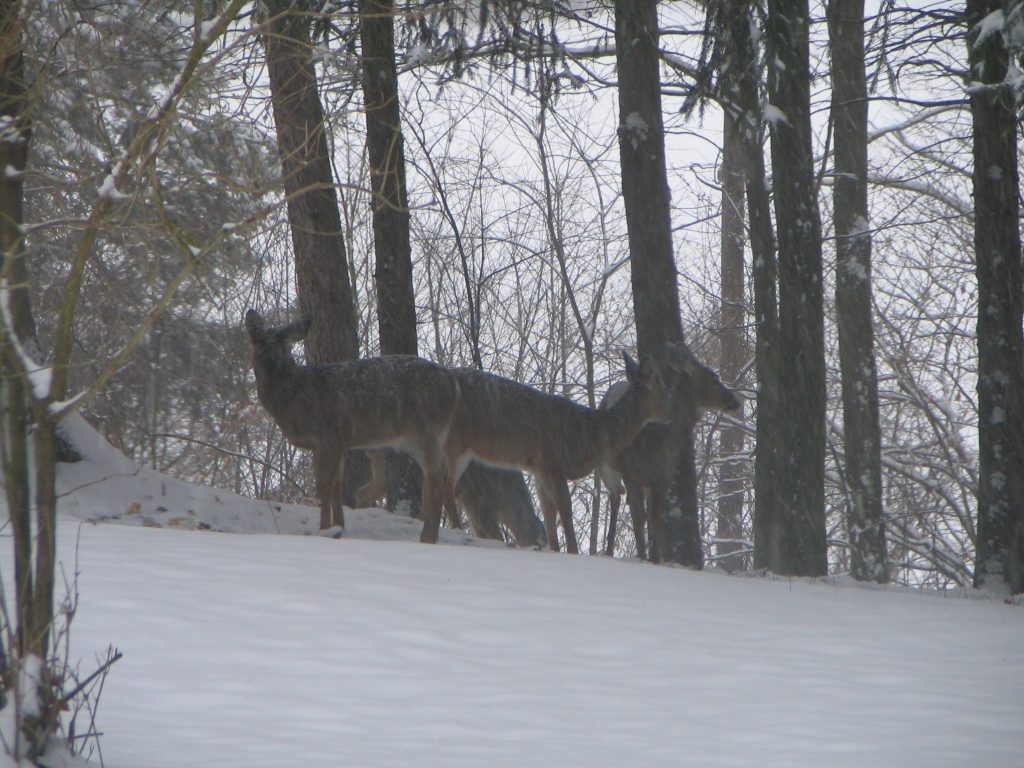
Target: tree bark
(385, 148)
(321, 263)
(733, 358)
(861, 433)
(997, 247)
(801, 512)
(645, 194)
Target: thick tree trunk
(321, 264)
(396, 303)
(997, 246)
(801, 512)
(645, 193)
(734, 354)
(743, 108)
(861, 434)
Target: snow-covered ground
(244, 651)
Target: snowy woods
(821, 200)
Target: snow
(992, 24)
(636, 127)
(109, 188)
(774, 116)
(266, 650)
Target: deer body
(646, 465)
(398, 401)
(510, 425)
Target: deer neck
(275, 382)
(622, 421)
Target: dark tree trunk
(741, 95)
(997, 246)
(645, 193)
(321, 264)
(801, 513)
(861, 435)
(734, 354)
(396, 303)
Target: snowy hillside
(288, 650)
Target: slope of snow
(284, 650)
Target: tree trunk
(997, 246)
(861, 433)
(801, 513)
(741, 89)
(396, 302)
(645, 193)
(321, 264)
(733, 358)
(15, 405)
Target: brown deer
(507, 424)
(400, 401)
(648, 462)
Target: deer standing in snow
(398, 401)
(503, 423)
(646, 465)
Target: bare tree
(997, 252)
(800, 522)
(862, 475)
(645, 193)
(385, 148)
(321, 264)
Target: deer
(645, 466)
(506, 424)
(399, 401)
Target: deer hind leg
(637, 512)
(550, 513)
(328, 468)
(451, 509)
(435, 489)
(557, 491)
(376, 487)
(614, 501)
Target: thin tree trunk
(730, 438)
(321, 263)
(861, 432)
(997, 246)
(396, 303)
(645, 193)
(741, 94)
(801, 513)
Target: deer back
(397, 400)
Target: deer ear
(253, 322)
(297, 330)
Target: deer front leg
(328, 468)
(637, 512)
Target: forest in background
(520, 255)
(822, 200)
